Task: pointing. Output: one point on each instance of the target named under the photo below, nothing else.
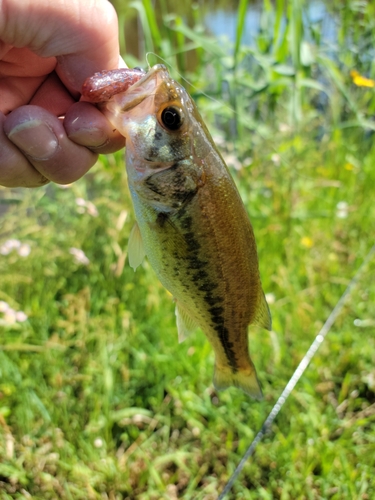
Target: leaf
(284, 69)
(313, 84)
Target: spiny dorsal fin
(185, 323)
(136, 252)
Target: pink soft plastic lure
(101, 86)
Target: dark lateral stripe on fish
(204, 284)
(227, 346)
(185, 220)
(200, 275)
(179, 193)
(193, 244)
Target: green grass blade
(241, 18)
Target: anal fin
(185, 323)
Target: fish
(190, 221)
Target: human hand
(47, 50)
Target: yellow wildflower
(307, 242)
(361, 81)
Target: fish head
(160, 122)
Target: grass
(97, 398)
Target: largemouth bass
(191, 222)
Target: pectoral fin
(136, 252)
(185, 323)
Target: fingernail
(91, 138)
(35, 138)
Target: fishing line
(189, 83)
(298, 373)
(304, 363)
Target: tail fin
(246, 380)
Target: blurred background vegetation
(97, 398)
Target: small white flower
(91, 209)
(275, 158)
(79, 256)
(284, 127)
(98, 443)
(270, 298)
(24, 250)
(13, 244)
(342, 209)
(10, 316)
(21, 317)
(4, 306)
(8, 246)
(80, 202)
(342, 205)
(86, 206)
(5, 250)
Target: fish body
(192, 224)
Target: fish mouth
(145, 87)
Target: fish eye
(171, 118)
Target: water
(220, 20)
(222, 23)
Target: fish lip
(140, 90)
